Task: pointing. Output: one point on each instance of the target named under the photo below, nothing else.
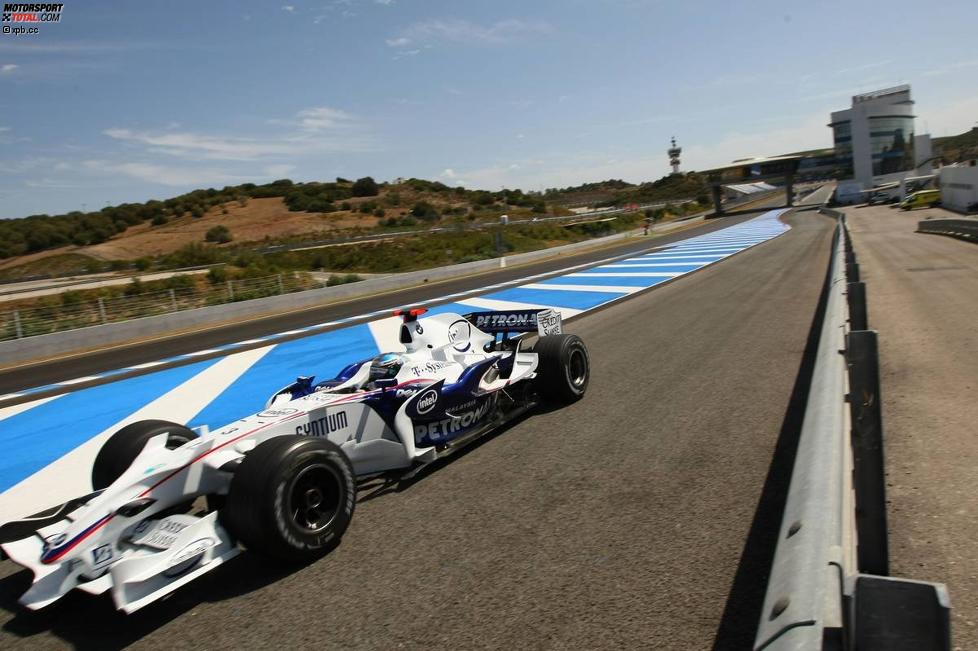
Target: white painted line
(607, 289)
(494, 304)
(678, 256)
(7, 412)
(643, 265)
(631, 274)
(139, 367)
(77, 380)
(703, 249)
(70, 476)
(248, 342)
(199, 353)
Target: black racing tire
(122, 448)
(291, 498)
(564, 368)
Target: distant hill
(118, 237)
(615, 192)
(954, 149)
(251, 213)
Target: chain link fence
(17, 324)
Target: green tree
(424, 210)
(365, 187)
(219, 234)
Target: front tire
(122, 448)
(564, 368)
(291, 498)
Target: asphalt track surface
(66, 368)
(642, 517)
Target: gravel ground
(923, 300)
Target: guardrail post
(173, 299)
(18, 327)
(858, 314)
(888, 613)
(101, 310)
(230, 290)
(281, 286)
(867, 450)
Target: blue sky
(127, 101)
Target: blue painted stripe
(557, 297)
(40, 435)
(626, 281)
(34, 438)
(323, 355)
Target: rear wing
(543, 322)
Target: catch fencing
(64, 314)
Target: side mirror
(386, 383)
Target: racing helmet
(385, 366)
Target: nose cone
(59, 552)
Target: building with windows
(874, 140)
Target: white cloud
(313, 130)
(323, 117)
(289, 8)
(162, 174)
(463, 31)
(386, 3)
(8, 67)
(200, 145)
(278, 171)
(449, 173)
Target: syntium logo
(323, 426)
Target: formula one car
(283, 482)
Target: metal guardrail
(964, 229)
(828, 587)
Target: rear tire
(564, 368)
(291, 498)
(122, 448)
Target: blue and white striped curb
(50, 442)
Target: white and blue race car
(169, 505)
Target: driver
(385, 366)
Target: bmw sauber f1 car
(283, 482)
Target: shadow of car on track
(87, 622)
(375, 487)
(71, 618)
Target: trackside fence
(829, 585)
(17, 324)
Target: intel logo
(426, 401)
